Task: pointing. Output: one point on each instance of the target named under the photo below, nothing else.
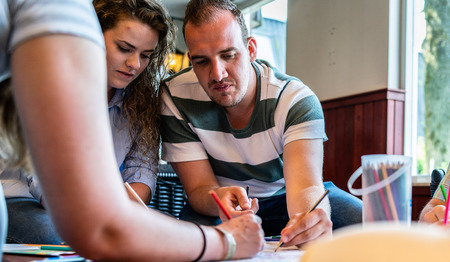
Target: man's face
(221, 61)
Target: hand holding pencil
(316, 224)
(438, 208)
(233, 202)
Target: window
(268, 27)
(427, 84)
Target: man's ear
(251, 46)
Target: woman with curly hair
(139, 35)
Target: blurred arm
(59, 84)
(433, 212)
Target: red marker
(216, 198)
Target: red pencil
(447, 208)
(216, 198)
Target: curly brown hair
(13, 149)
(141, 101)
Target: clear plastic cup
(386, 188)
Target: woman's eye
(123, 49)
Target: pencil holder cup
(386, 188)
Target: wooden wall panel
(330, 145)
(421, 196)
(368, 123)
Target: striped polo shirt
(196, 128)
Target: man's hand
(236, 202)
(303, 228)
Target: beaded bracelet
(231, 243)
(204, 241)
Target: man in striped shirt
(232, 121)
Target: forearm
(66, 128)
(140, 172)
(303, 200)
(303, 175)
(198, 180)
(202, 202)
(144, 229)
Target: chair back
(169, 196)
(436, 177)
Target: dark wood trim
(372, 96)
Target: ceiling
(176, 7)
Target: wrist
(202, 253)
(217, 245)
(230, 243)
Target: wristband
(204, 241)
(231, 243)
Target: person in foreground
(53, 66)
(232, 121)
(136, 48)
(434, 210)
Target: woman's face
(128, 48)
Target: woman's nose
(134, 61)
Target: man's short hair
(199, 12)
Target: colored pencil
(63, 258)
(280, 244)
(382, 197)
(443, 192)
(134, 194)
(216, 198)
(391, 201)
(318, 201)
(446, 210)
(273, 238)
(56, 247)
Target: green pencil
(443, 192)
(56, 248)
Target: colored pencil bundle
(391, 202)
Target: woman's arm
(59, 84)
(141, 174)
